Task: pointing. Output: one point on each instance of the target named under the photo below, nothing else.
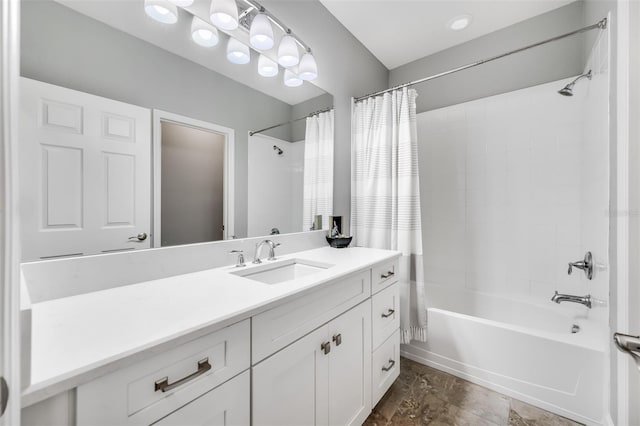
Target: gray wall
(298, 129)
(106, 62)
(63, 47)
(536, 66)
(345, 69)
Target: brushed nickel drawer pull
(326, 347)
(389, 313)
(338, 339)
(391, 364)
(387, 275)
(164, 386)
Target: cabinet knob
(337, 339)
(326, 347)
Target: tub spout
(583, 300)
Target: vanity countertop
(76, 339)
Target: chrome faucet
(272, 248)
(583, 300)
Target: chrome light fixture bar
(278, 23)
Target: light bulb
(291, 80)
(224, 14)
(161, 10)
(261, 32)
(288, 54)
(308, 69)
(237, 52)
(267, 67)
(203, 33)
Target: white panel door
(350, 367)
(85, 177)
(290, 387)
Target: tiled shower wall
(275, 186)
(515, 186)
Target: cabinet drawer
(134, 395)
(385, 311)
(384, 274)
(386, 366)
(227, 404)
(276, 328)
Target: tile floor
(426, 396)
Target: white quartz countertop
(76, 339)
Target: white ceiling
(400, 31)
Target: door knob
(629, 345)
(140, 237)
(4, 395)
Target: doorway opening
(193, 181)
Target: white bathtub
(523, 350)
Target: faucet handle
(272, 250)
(586, 265)
(240, 262)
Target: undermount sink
(283, 270)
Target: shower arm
(586, 75)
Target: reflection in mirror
(291, 182)
(111, 68)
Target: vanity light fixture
(182, 3)
(224, 14)
(261, 32)
(237, 52)
(161, 10)
(227, 15)
(308, 69)
(288, 55)
(267, 67)
(291, 79)
(203, 33)
(459, 22)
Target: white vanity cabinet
(324, 354)
(385, 330)
(226, 405)
(323, 378)
(174, 384)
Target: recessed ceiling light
(459, 22)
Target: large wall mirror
(133, 136)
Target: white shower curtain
(318, 170)
(385, 195)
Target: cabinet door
(290, 387)
(226, 405)
(350, 366)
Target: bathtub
(523, 350)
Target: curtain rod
(290, 121)
(602, 24)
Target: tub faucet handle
(586, 265)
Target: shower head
(568, 89)
(276, 148)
